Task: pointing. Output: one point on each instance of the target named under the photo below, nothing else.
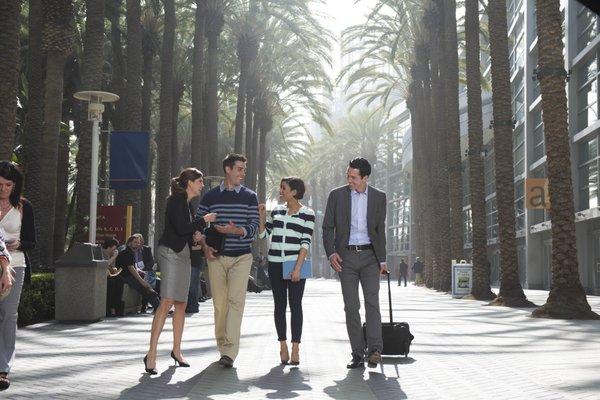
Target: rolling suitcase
(396, 335)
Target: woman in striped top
(291, 228)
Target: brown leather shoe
(374, 359)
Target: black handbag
(215, 239)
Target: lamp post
(95, 100)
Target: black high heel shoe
(178, 362)
(151, 371)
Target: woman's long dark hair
(11, 171)
(179, 184)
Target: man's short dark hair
(296, 184)
(362, 165)
(231, 159)
(109, 243)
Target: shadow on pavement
(354, 386)
(285, 386)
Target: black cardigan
(178, 225)
(27, 237)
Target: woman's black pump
(178, 362)
(151, 371)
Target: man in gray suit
(354, 240)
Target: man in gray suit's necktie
(354, 240)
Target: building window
(517, 48)
(513, 7)
(519, 150)
(520, 205)
(518, 100)
(489, 170)
(588, 174)
(539, 143)
(587, 93)
(587, 27)
(536, 91)
(491, 218)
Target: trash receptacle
(80, 284)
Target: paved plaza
(462, 350)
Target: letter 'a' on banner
(129, 160)
(536, 194)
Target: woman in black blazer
(173, 257)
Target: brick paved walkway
(462, 350)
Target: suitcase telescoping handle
(390, 297)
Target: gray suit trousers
(363, 267)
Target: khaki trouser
(418, 278)
(228, 283)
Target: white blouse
(11, 223)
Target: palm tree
(511, 293)
(214, 27)
(198, 131)
(57, 43)
(481, 274)
(248, 40)
(165, 129)
(91, 79)
(131, 104)
(150, 46)
(9, 74)
(453, 130)
(567, 297)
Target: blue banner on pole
(129, 153)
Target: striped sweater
(239, 206)
(289, 233)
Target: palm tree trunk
(249, 122)
(198, 134)
(91, 79)
(511, 293)
(241, 102)
(442, 254)
(131, 105)
(214, 27)
(52, 116)
(165, 129)
(113, 13)
(262, 166)
(253, 157)
(62, 195)
(567, 297)
(9, 74)
(146, 201)
(35, 119)
(453, 131)
(176, 162)
(481, 274)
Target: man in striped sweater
(236, 207)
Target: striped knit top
(289, 233)
(239, 206)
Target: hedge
(37, 300)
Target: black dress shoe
(356, 362)
(226, 362)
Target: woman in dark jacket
(173, 257)
(16, 219)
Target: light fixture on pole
(95, 102)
